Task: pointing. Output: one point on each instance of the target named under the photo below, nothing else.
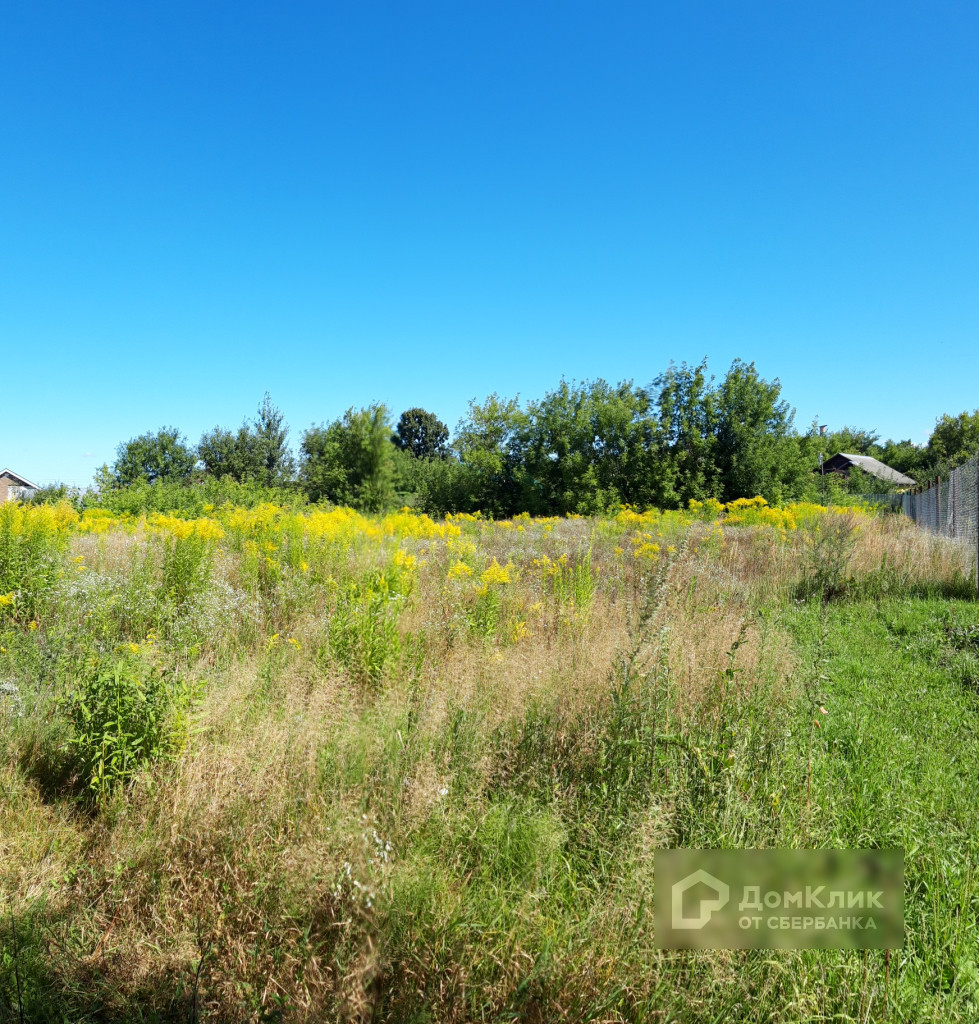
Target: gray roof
(21, 481)
(877, 468)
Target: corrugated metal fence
(948, 506)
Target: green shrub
(123, 717)
(190, 500)
(55, 493)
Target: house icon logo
(707, 906)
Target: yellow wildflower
(403, 560)
(646, 551)
(496, 573)
(459, 571)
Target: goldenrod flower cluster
(183, 529)
(496, 574)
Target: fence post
(976, 510)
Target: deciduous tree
(954, 440)
(164, 456)
(422, 434)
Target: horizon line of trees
(584, 447)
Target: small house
(842, 463)
(13, 486)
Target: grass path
(895, 762)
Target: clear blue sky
(421, 203)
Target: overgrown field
(272, 765)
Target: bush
(439, 486)
(190, 500)
(54, 493)
(123, 717)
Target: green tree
(904, 456)
(685, 400)
(489, 443)
(162, 456)
(558, 453)
(257, 452)
(322, 472)
(586, 447)
(437, 486)
(852, 440)
(954, 440)
(271, 434)
(422, 434)
(227, 454)
(350, 461)
(755, 450)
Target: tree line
(581, 448)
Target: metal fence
(948, 506)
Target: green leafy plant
(123, 717)
(363, 630)
(574, 584)
(186, 567)
(484, 615)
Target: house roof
(874, 467)
(21, 481)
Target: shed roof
(872, 466)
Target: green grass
(895, 763)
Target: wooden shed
(842, 463)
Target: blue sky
(422, 203)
